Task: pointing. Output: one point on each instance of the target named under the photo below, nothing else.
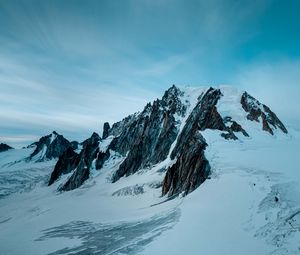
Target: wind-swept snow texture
(249, 205)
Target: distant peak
(95, 134)
(172, 90)
(49, 147)
(5, 147)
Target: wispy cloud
(71, 65)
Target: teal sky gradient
(70, 65)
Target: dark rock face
(200, 119)
(51, 146)
(57, 147)
(191, 167)
(82, 163)
(190, 170)
(90, 149)
(118, 128)
(65, 164)
(4, 147)
(33, 145)
(106, 129)
(44, 141)
(74, 145)
(150, 134)
(257, 110)
(101, 158)
(80, 175)
(231, 127)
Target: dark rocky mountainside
(4, 147)
(67, 161)
(49, 147)
(168, 130)
(257, 110)
(149, 137)
(82, 162)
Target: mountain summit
(167, 135)
(49, 147)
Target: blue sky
(70, 65)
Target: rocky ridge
(257, 111)
(49, 147)
(166, 132)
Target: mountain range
(151, 172)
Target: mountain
(167, 132)
(50, 146)
(4, 147)
(200, 170)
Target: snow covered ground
(96, 219)
(251, 204)
(234, 212)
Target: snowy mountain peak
(49, 147)
(260, 112)
(241, 107)
(212, 146)
(168, 132)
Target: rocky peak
(65, 164)
(149, 138)
(5, 147)
(171, 101)
(94, 139)
(257, 111)
(106, 128)
(49, 147)
(119, 126)
(80, 163)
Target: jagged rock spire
(106, 128)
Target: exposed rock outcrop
(106, 128)
(231, 127)
(257, 111)
(75, 145)
(190, 169)
(101, 158)
(149, 137)
(82, 163)
(5, 147)
(49, 147)
(65, 164)
(80, 175)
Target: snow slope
(43, 221)
(250, 205)
(235, 212)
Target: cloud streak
(71, 65)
